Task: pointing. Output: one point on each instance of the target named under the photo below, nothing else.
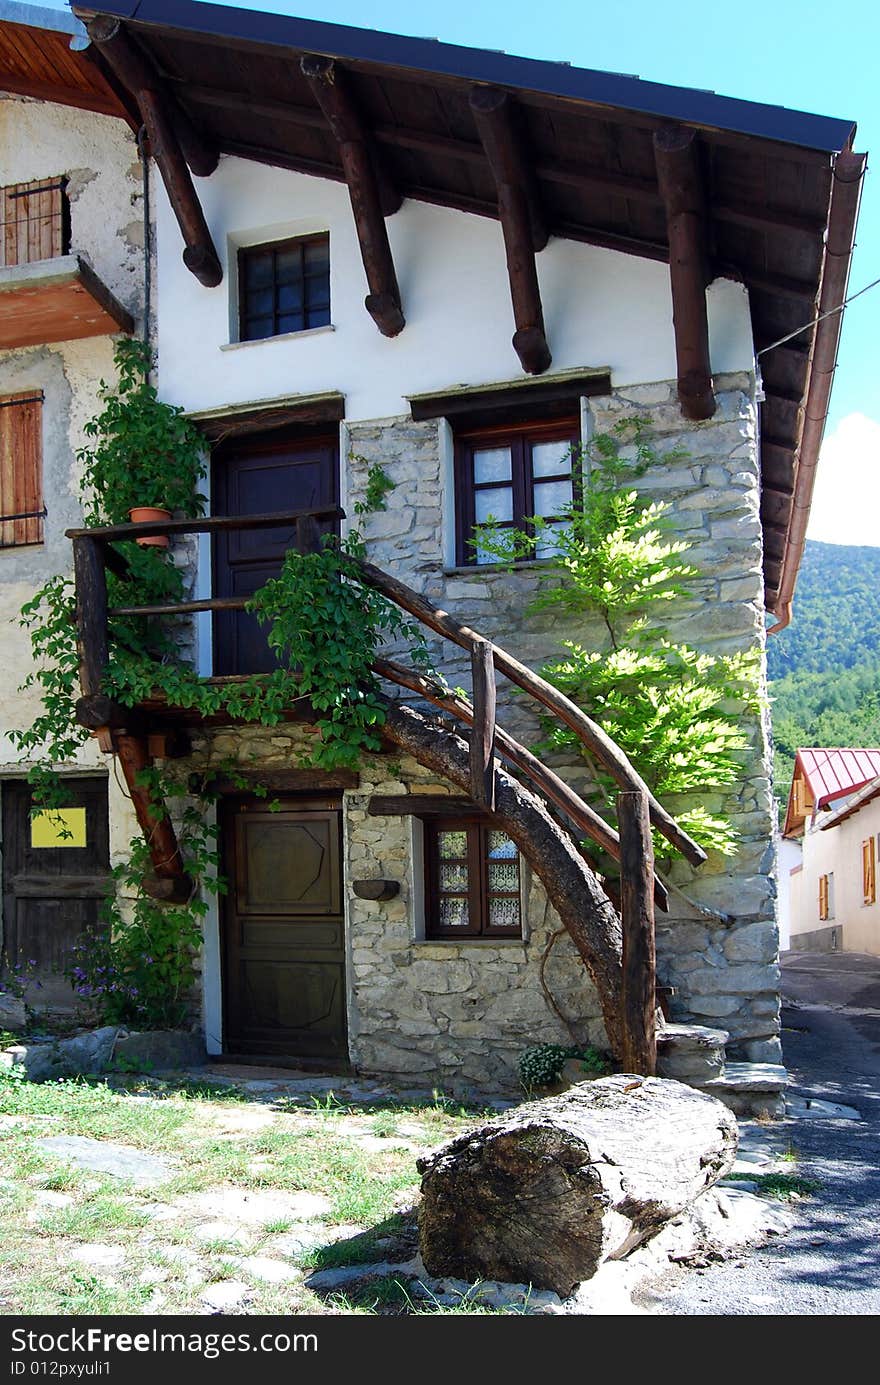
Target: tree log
(545, 1193)
(571, 886)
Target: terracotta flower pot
(149, 514)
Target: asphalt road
(830, 1262)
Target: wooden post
(638, 993)
(678, 174)
(158, 831)
(522, 223)
(482, 743)
(328, 84)
(90, 580)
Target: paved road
(830, 1262)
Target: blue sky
(795, 53)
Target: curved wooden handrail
(543, 778)
(591, 735)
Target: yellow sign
(59, 827)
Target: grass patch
(363, 1249)
(780, 1185)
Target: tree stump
(543, 1194)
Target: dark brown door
(283, 935)
(55, 875)
(258, 476)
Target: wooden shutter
(823, 896)
(869, 887)
(33, 221)
(21, 469)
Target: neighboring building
(268, 343)
(834, 809)
(71, 276)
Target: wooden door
(283, 932)
(251, 477)
(54, 879)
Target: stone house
(643, 244)
(71, 277)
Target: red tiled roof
(833, 773)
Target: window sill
(469, 942)
(283, 336)
(474, 569)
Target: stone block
(13, 1016)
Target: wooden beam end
(530, 344)
(386, 312)
(201, 261)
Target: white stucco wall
(601, 308)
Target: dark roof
(435, 59)
(768, 174)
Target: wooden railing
(637, 808)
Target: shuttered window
(21, 469)
(34, 221)
(824, 897)
(869, 880)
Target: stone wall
(718, 946)
(458, 1013)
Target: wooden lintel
(281, 781)
(518, 213)
(678, 176)
(135, 74)
(423, 805)
(162, 119)
(365, 189)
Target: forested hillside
(825, 668)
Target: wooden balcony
(132, 732)
(48, 294)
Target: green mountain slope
(825, 668)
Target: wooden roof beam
(522, 221)
(135, 74)
(678, 174)
(163, 130)
(372, 195)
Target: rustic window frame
(824, 898)
(275, 248)
(477, 893)
(520, 438)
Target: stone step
(750, 1089)
(690, 1053)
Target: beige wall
(838, 851)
